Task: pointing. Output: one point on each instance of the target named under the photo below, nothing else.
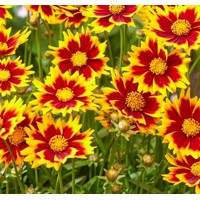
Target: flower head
(178, 26)
(156, 69)
(71, 15)
(4, 14)
(9, 44)
(181, 124)
(13, 74)
(128, 101)
(63, 93)
(186, 170)
(16, 141)
(10, 115)
(81, 52)
(107, 16)
(47, 12)
(53, 142)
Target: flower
(47, 12)
(63, 93)
(156, 69)
(72, 15)
(181, 124)
(81, 52)
(16, 141)
(8, 45)
(4, 14)
(129, 102)
(109, 16)
(10, 115)
(53, 142)
(13, 74)
(178, 26)
(186, 170)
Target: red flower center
(65, 94)
(58, 143)
(116, 9)
(79, 59)
(158, 66)
(195, 169)
(18, 136)
(181, 27)
(135, 101)
(4, 74)
(190, 127)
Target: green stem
(158, 149)
(36, 177)
(49, 176)
(73, 176)
(197, 84)
(158, 176)
(15, 167)
(7, 187)
(26, 44)
(61, 31)
(109, 49)
(193, 65)
(30, 48)
(60, 180)
(39, 51)
(56, 186)
(121, 47)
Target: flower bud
(115, 188)
(147, 159)
(114, 116)
(20, 90)
(118, 166)
(112, 174)
(93, 157)
(140, 32)
(124, 125)
(125, 58)
(30, 190)
(33, 20)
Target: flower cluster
(66, 89)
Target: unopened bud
(147, 159)
(140, 32)
(142, 151)
(20, 90)
(126, 58)
(30, 190)
(118, 166)
(124, 125)
(33, 20)
(112, 174)
(93, 157)
(115, 188)
(114, 116)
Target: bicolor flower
(54, 142)
(81, 52)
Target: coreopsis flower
(81, 52)
(4, 14)
(178, 26)
(9, 44)
(186, 169)
(125, 98)
(10, 115)
(47, 12)
(54, 142)
(156, 69)
(13, 73)
(181, 124)
(16, 140)
(109, 16)
(71, 15)
(63, 93)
